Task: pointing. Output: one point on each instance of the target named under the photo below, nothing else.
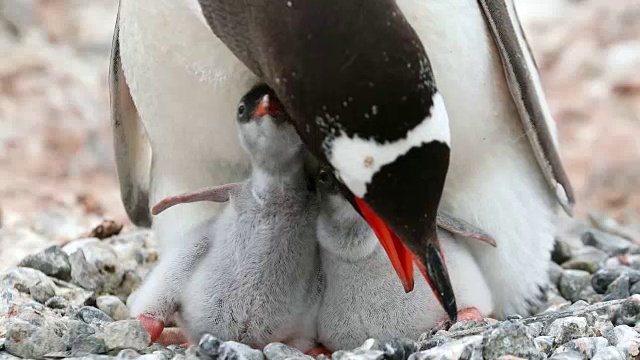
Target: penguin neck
(274, 179)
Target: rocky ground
(66, 298)
(69, 301)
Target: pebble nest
(69, 302)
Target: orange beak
(267, 107)
(401, 258)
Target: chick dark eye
(241, 109)
(324, 177)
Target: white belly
(493, 181)
(186, 85)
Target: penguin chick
(363, 297)
(260, 281)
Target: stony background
(57, 183)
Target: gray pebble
(567, 329)
(113, 306)
(608, 243)
(601, 325)
(126, 334)
(30, 341)
(280, 351)
(572, 282)
(587, 346)
(6, 356)
(398, 349)
(570, 355)
(544, 344)
(619, 289)
(604, 277)
(555, 272)
(159, 349)
(83, 273)
(510, 338)
(93, 316)
(209, 346)
(591, 255)
(609, 353)
(635, 288)
(535, 329)
(577, 264)
(52, 261)
(176, 349)
(561, 252)
(57, 302)
(467, 348)
(627, 314)
(127, 354)
(625, 339)
(366, 351)
(465, 325)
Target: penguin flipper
(132, 148)
(460, 227)
(524, 84)
(217, 194)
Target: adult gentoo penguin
(209, 65)
(319, 54)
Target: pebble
(280, 351)
(601, 280)
(625, 339)
(609, 353)
(125, 334)
(211, 347)
(591, 255)
(93, 316)
(587, 346)
(555, 273)
(127, 354)
(561, 252)
(619, 289)
(569, 355)
(365, 352)
(466, 348)
(510, 338)
(113, 306)
(572, 283)
(83, 273)
(567, 329)
(627, 314)
(31, 341)
(544, 344)
(611, 244)
(52, 261)
(29, 281)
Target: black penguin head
(358, 85)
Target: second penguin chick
(260, 281)
(363, 298)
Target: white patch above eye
(357, 160)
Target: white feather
(186, 85)
(494, 181)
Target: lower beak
(430, 260)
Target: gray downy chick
(260, 281)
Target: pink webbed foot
(173, 336)
(153, 326)
(465, 314)
(319, 350)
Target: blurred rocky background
(57, 175)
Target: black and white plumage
(503, 152)
(260, 280)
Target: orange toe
(153, 326)
(320, 350)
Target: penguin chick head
(265, 130)
(341, 230)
